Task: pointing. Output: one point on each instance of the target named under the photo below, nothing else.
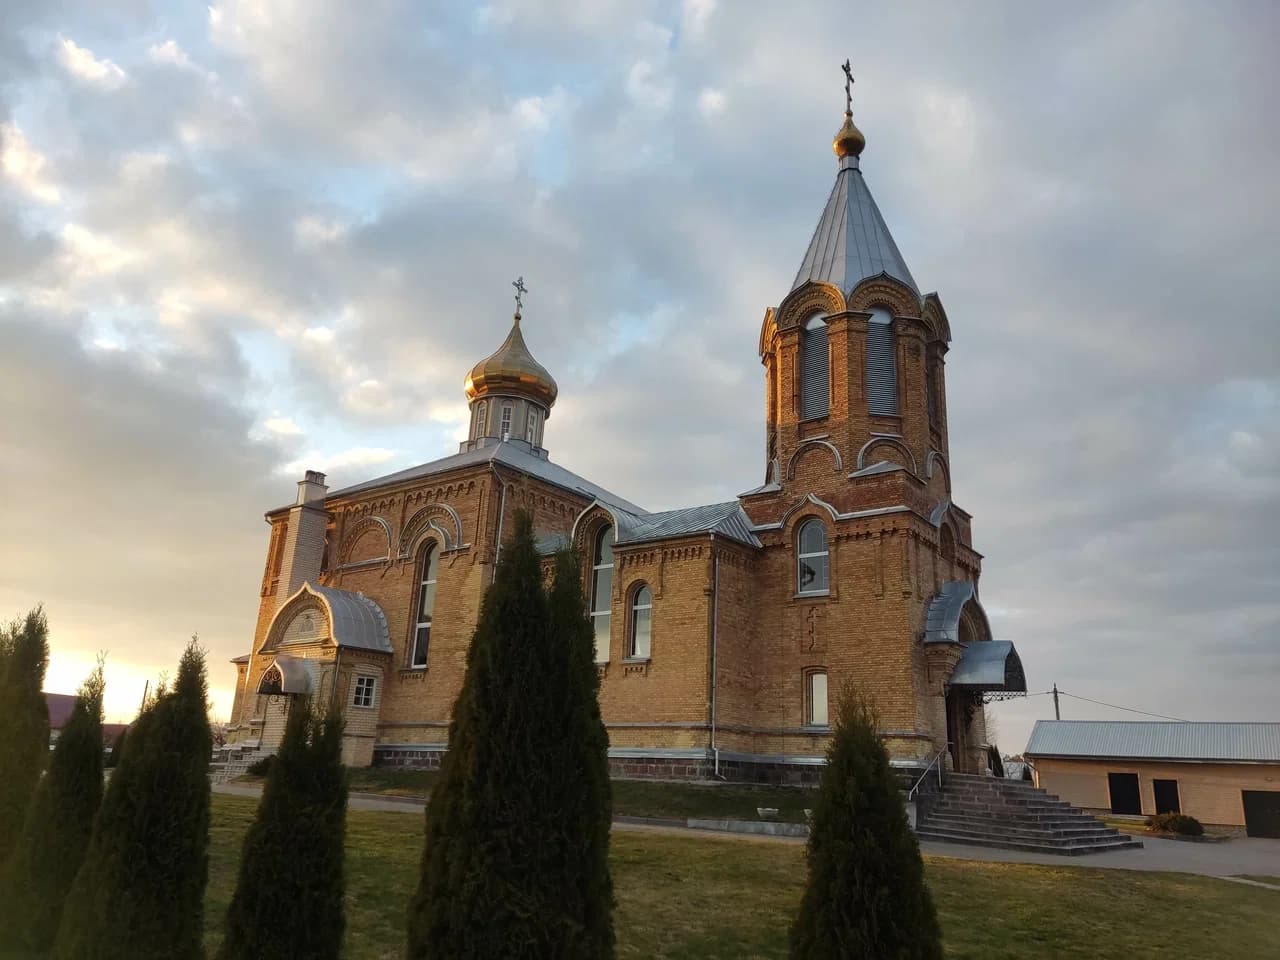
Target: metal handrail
(911, 794)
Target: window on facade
(815, 386)
(426, 604)
(641, 623)
(505, 432)
(932, 390)
(813, 564)
(815, 699)
(602, 591)
(882, 364)
(481, 424)
(364, 690)
(531, 427)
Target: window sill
(815, 595)
(634, 665)
(816, 728)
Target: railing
(937, 760)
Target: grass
(713, 898)
(631, 798)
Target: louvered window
(815, 387)
(882, 364)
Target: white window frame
(811, 699)
(505, 430)
(364, 692)
(531, 426)
(424, 580)
(633, 651)
(801, 557)
(601, 656)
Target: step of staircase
(1014, 815)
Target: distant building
(1223, 774)
(722, 630)
(60, 707)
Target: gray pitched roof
(725, 519)
(354, 620)
(852, 241)
(1156, 740)
(514, 454)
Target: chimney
(304, 540)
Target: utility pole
(1057, 714)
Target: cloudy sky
(248, 239)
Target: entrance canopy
(992, 666)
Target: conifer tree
(24, 721)
(866, 896)
(139, 895)
(117, 748)
(57, 830)
(289, 896)
(494, 864)
(584, 758)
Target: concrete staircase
(1013, 815)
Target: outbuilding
(1223, 774)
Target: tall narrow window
(531, 427)
(602, 591)
(813, 563)
(815, 384)
(482, 419)
(426, 604)
(505, 432)
(815, 699)
(882, 364)
(933, 392)
(641, 623)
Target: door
(1166, 792)
(1124, 793)
(960, 707)
(1262, 813)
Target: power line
(1113, 706)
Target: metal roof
(852, 241)
(990, 665)
(513, 454)
(726, 519)
(354, 620)
(942, 621)
(1156, 740)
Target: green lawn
(683, 898)
(632, 798)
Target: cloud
(710, 101)
(84, 66)
(25, 165)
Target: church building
(723, 631)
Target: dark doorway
(1262, 813)
(1166, 792)
(960, 709)
(1125, 797)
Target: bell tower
(854, 354)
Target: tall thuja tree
(139, 895)
(288, 900)
(492, 878)
(24, 727)
(58, 826)
(866, 896)
(583, 763)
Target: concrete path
(1243, 855)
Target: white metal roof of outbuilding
(1155, 740)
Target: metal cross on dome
(848, 84)
(521, 289)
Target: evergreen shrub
(1178, 823)
(24, 721)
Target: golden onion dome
(512, 369)
(849, 141)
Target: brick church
(722, 631)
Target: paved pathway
(1244, 855)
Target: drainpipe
(715, 636)
(502, 508)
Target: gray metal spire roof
(852, 241)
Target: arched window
(813, 558)
(481, 424)
(882, 364)
(505, 432)
(815, 385)
(933, 390)
(602, 591)
(531, 426)
(641, 623)
(815, 699)
(428, 569)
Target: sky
(244, 240)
